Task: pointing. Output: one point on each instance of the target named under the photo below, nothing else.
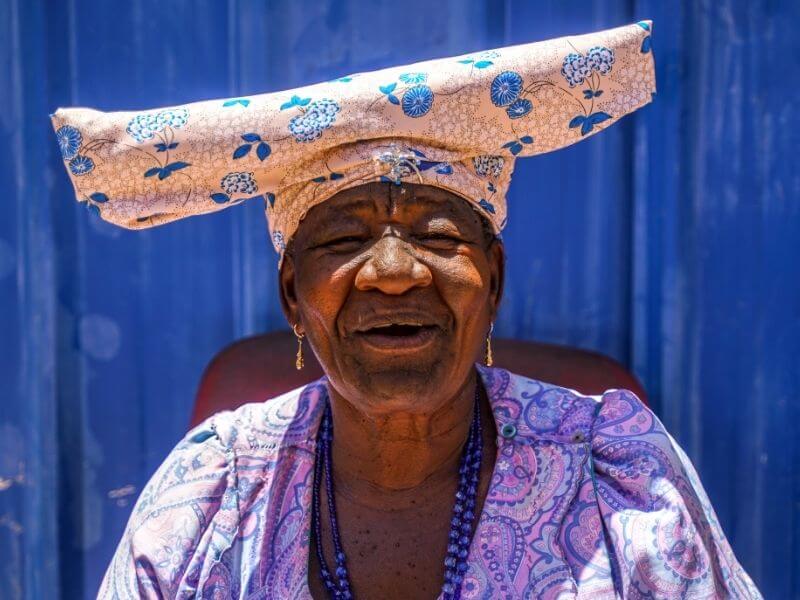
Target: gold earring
(489, 358)
(298, 361)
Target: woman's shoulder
(286, 420)
(190, 511)
(544, 410)
(647, 493)
(623, 434)
(209, 452)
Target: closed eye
(439, 240)
(439, 236)
(343, 244)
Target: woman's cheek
(465, 272)
(324, 287)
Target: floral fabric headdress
(456, 123)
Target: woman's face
(395, 287)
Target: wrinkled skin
(395, 288)
(382, 250)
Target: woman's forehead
(381, 199)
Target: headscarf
(455, 123)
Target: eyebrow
(424, 198)
(344, 214)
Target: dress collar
(524, 410)
(528, 410)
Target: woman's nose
(392, 268)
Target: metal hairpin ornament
(398, 159)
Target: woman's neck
(385, 460)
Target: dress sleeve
(183, 521)
(662, 535)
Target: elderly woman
(411, 470)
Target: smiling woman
(410, 470)
(396, 287)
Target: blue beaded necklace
(461, 524)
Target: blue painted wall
(670, 242)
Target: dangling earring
(489, 358)
(298, 361)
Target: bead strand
(464, 509)
(327, 580)
(462, 522)
(453, 545)
(341, 562)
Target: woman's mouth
(398, 336)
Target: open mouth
(396, 336)
(396, 330)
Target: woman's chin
(407, 381)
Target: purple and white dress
(590, 498)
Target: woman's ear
(497, 266)
(287, 290)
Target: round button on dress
(508, 431)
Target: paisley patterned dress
(590, 498)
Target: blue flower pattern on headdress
(574, 69)
(488, 165)
(412, 78)
(410, 92)
(647, 42)
(145, 127)
(506, 88)
(278, 241)
(578, 69)
(245, 102)
(600, 59)
(417, 101)
(519, 108)
(318, 116)
(69, 141)
(263, 149)
(508, 91)
(239, 183)
(482, 61)
(172, 118)
(487, 206)
(80, 165)
(235, 183)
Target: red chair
(261, 367)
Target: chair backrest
(261, 367)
